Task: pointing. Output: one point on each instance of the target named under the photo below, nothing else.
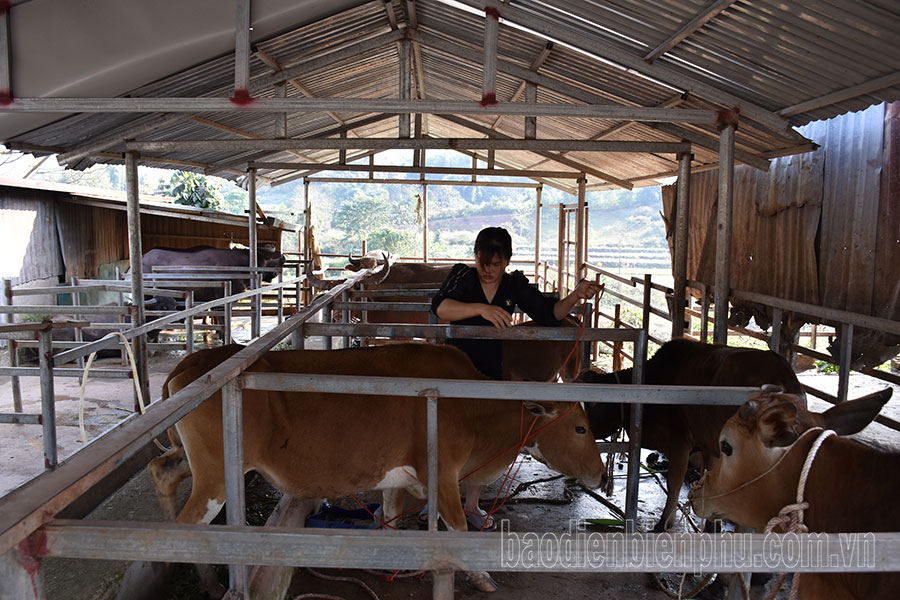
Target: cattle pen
(772, 212)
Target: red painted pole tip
(5, 5)
(728, 117)
(241, 97)
(491, 11)
(489, 99)
(6, 97)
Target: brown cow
(851, 487)
(680, 430)
(541, 360)
(306, 445)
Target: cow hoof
(482, 581)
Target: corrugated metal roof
(763, 53)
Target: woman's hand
(587, 289)
(496, 315)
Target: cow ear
(852, 416)
(777, 424)
(537, 409)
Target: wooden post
(723, 232)
(679, 261)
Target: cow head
(268, 256)
(606, 418)
(564, 441)
(762, 449)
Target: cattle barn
(727, 96)
(74, 232)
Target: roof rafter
(587, 42)
(551, 155)
(577, 93)
(711, 12)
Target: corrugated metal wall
(70, 236)
(822, 227)
(30, 247)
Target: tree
(193, 189)
(361, 214)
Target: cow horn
(386, 269)
(771, 388)
(749, 410)
(321, 284)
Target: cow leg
(206, 501)
(393, 500)
(450, 507)
(167, 471)
(678, 464)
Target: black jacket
(462, 284)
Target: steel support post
(579, 231)
(345, 318)
(403, 48)
(491, 33)
(327, 317)
(537, 231)
(561, 251)
(6, 299)
(242, 50)
(424, 223)
(704, 309)
(255, 301)
(775, 338)
(443, 585)
(723, 232)
(280, 298)
(48, 406)
(530, 122)
(233, 441)
(18, 581)
(135, 253)
(846, 355)
(189, 322)
(634, 437)
(432, 441)
(226, 320)
(682, 218)
(78, 333)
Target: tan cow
(323, 445)
(851, 487)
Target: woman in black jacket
(487, 295)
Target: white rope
(790, 518)
(134, 378)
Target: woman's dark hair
(491, 242)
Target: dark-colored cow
(850, 487)
(305, 444)
(680, 430)
(267, 256)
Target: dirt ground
(545, 507)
